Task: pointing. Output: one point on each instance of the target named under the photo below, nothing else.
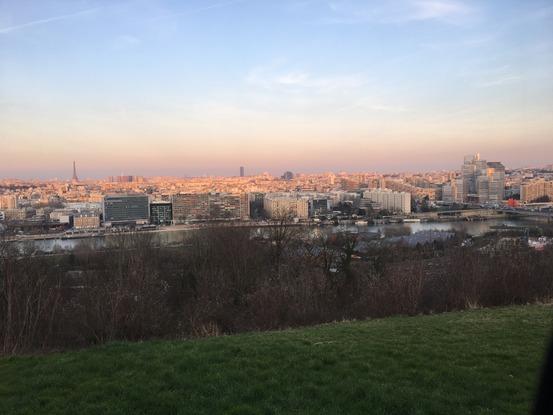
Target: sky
(190, 88)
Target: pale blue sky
(202, 87)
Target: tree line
(227, 280)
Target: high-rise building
(483, 181)
(448, 192)
(126, 209)
(288, 175)
(242, 171)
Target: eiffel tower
(75, 178)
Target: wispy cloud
(374, 105)
(502, 75)
(269, 78)
(25, 25)
(467, 43)
(126, 42)
(501, 80)
(436, 9)
(403, 11)
(207, 7)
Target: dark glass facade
(161, 213)
(126, 208)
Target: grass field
(474, 362)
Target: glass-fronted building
(161, 213)
(126, 209)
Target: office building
(126, 209)
(483, 182)
(389, 200)
(161, 213)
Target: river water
(172, 237)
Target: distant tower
(242, 174)
(75, 178)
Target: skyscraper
(482, 181)
(242, 171)
(75, 179)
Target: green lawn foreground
(474, 362)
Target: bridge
(483, 213)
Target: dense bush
(222, 280)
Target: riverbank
(175, 234)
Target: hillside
(479, 361)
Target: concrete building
(318, 206)
(17, 214)
(64, 216)
(224, 206)
(86, 221)
(277, 205)
(210, 206)
(390, 200)
(8, 202)
(190, 206)
(535, 189)
(126, 209)
(460, 190)
(448, 192)
(161, 213)
(256, 204)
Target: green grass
(474, 362)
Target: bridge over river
(484, 213)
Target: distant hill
(478, 361)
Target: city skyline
(200, 88)
(74, 177)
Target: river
(170, 236)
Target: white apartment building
(390, 200)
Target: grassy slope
(482, 361)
